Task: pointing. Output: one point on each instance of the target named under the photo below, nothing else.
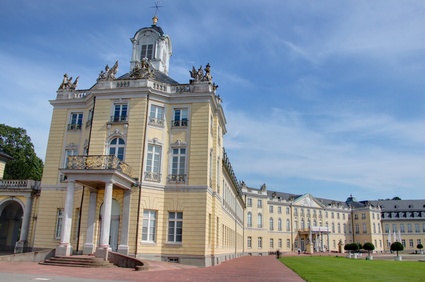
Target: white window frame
(59, 223)
(75, 121)
(116, 148)
(119, 112)
(149, 226)
(153, 163)
(175, 223)
(180, 117)
(156, 115)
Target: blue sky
(321, 97)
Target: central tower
(152, 44)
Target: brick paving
(249, 268)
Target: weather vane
(157, 6)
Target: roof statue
(198, 74)
(67, 83)
(109, 73)
(142, 70)
(263, 187)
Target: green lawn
(331, 268)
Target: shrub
(368, 247)
(397, 246)
(419, 246)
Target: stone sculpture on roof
(142, 70)
(67, 83)
(198, 74)
(109, 73)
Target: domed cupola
(151, 43)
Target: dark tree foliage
(396, 198)
(25, 164)
(419, 246)
(397, 246)
(368, 247)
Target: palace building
(136, 165)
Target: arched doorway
(10, 225)
(115, 224)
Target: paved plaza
(249, 268)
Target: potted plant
(354, 247)
(347, 248)
(369, 247)
(397, 246)
(420, 247)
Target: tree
(354, 247)
(360, 246)
(347, 247)
(396, 198)
(368, 247)
(25, 164)
(397, 246)
(420, 247)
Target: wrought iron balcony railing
(179, 123)
(74, 126)
(119, 118)
(152, 176)
(176, 178)
(98, 162)
(156, 121)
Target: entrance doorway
(115, 224)
(10, 225)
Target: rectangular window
(409, 228)
(120, 113)
(259, 204)
(363, 216)
(394, 228)
(411, 242)
(279, 210)
(356, 216)
(270, 209)
(156, 116)
(75, 122)
(418, 241)
(180, 118)
(417, 230)
(401, 227)
(343, 216)
(287, 210)
(153, 163)
(260, 242)
(147, 52)
(288, 243)
(271, 243)
(149, 226)
(364, 228)
(249, 242)
(175, 227)
(59, 223)
(178, 166)
(403, 242)
(249, 202)
(357, 229)
(279, 243)
(89, 118)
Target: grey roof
(400, 205)
(153, 27)
(158, 76)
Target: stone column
(89, 245)
(65, 248)
(123, 247)
(329, 247)
(22, 244)
(104, 247)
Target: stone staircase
(78, 261)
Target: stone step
(77, 261)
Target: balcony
(74, 127)
(176, 178)
(96, 162)
(119, 119)
(152, 176)
(156, 121)
(179, 123)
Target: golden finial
(154, 20)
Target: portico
(97, 173)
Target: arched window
(271, 223)
(249, 219)
(314, 223)
(260, 220)
(308, 223)
(117, 148)
(339, 228)
(288, 225)
(279, 224)
(302, 223)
